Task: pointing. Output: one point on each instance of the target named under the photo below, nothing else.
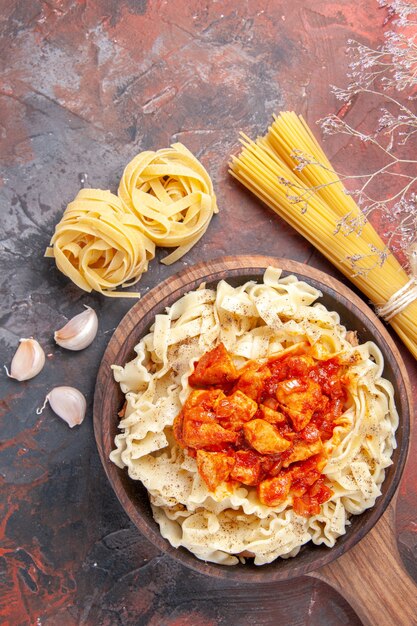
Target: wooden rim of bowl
(120, 350)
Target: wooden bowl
(108, 400)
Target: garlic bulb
(28, 360)
(68, 403)
(79, 332)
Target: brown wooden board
(363, 574)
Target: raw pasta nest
(99, 245)
(172, 195)
(254, 321)
(105, 241)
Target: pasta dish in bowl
(257, 424)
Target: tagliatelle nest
(172, 195)
(105, 241)
(99, 245)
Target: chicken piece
(271, 464)
(300, 365)
(214, 467)
(271, 416)
(196, 426)
(203, 398)
(264, 438)
(251, 381)
(306, 473)
(199, 405)
(302, 450)
(310, 503)
(273, 491)
(234, 410)
(271, 403)
(310, 433)
(247, 468)
(299, 399)
(214, 368)
(200, 435)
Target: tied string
(405, 295)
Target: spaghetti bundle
(288, 170)
(99, 245)
(172, 195)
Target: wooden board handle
(371, 578)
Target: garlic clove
(28, 360)
(79, 332)
(68, 403)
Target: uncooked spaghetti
(288, 170)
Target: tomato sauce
(264, 425)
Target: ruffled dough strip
(99, 245)
(217, 526)
(172, 195)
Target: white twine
(405, 295)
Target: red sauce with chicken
(264, 425)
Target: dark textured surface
(84, 86)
